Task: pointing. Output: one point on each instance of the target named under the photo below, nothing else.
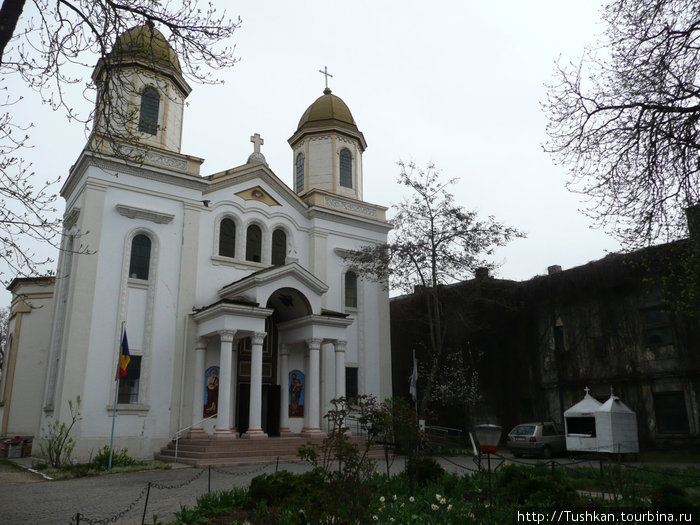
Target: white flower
(382, 499)
(438, 497)
(375, 518)
(411, 499)
(394, 497)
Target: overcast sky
(456, 83)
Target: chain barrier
(79, 518)
(179, 485)
(458, 465)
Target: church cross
(586, 390)
(258, 141)
(325, 72)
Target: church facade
(243, 319)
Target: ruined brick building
(627, 322)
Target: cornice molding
(133, 212)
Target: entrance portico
(259, 349)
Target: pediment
(245, 180)
(260, 286)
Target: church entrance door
(270, 408)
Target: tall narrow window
(140, 257)
(253, 245)
(279, 247)
(351, 382)
(299, 181)
(148, 119)
(351, 289)
(129, 384)
(227, 238)
(345, 168)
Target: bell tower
(141, 91)
(328, 148)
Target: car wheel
(547, 452)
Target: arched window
(140, 257)
(351, 289)
(299, 181)
(227, 238)
(253, 243)
(345, 168)
(279, 247)
(148, 119)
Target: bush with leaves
(57, 445)
(120, 458)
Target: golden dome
(146, 44)
(328, 112)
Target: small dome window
(345, 168)
(299, 181)
(148, 118)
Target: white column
(339, 368)
(311, 400)
(255, 417)
(284, 389)
(198, 394)
(223, 415)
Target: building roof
(145, 42)
(328, 112)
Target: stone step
(202, 452)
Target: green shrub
(427, 470)
(274, 489)
(120, 458)
(534, 488)
(668, 497)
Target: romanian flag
(124, 357)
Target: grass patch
(9, 466)
(80, 471)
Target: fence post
(600, 459)
(553, 463)
(77, 518)
(148, 492)
(277, 466)
(209, 482)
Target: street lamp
(488, 436)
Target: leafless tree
(434, 242)
(51, 45)
(624, 119)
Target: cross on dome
(325, 72)
(587, 390)
(258, 141)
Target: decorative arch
(289, 303)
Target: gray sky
(458, 83)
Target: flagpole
(116, 393)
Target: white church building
(243, 318)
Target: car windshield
(523, 430)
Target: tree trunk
(9, 15)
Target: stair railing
(176, 437)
